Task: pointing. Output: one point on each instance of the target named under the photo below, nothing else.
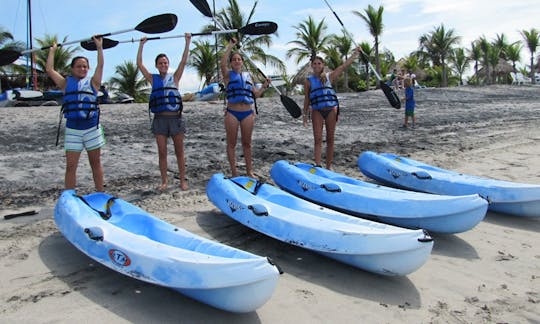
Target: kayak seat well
(164, 233)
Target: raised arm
(340, 69)
(147, 75)
(307, 90)
(224, 64)
(180, 69)
(98, 73)
(57, 78)
(258, 92)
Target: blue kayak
(371, 246)
(129, 240)
(518, 199)
(437, 213)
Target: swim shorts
(76, 140)
(168, 125)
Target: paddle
(289, 104)
(153, 25)
(256, 28)
(392, 97)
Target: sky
(404, 22)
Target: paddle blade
(89, 45)
(158, 24)
(259, 28)
(203, 7)
(8, 56)
(291, 106)
(390, 94)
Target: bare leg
(178, 141)
(231, 132)
(330, 122)
(161, 141)
(317, 121)
(94, 157)
(246, 130)
(70, 177)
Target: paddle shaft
(352, 39)
(228, 31)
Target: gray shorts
(168, 125)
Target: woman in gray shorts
(166, 104)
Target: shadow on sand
(310, 266)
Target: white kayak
(375, 247)
(437, 213)
(129, 240)
(518, 199)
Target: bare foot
(252, 175)
(184, 185)
(163, 187)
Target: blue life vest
(80, 100)
(321, 96)
(165, 95)
(240, 88)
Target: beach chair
(523, 79)
(514, 77)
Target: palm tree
(513, 54)
(368, 51)
(501, 44)
(485, 47)
(232, 18)
(374, 20)
(439, 44)
(343, 46)
(310, 39)
(475, 54)
(7, 41)
(62, 56)
(460, 62)
(128, 80)
(203, 59)
(532, 40)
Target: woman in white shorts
(81, 110)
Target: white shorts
(75, 140)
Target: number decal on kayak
(119, 258)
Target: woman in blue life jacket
(166, 104)
(322, 99)
(81, 110)
(241, 94)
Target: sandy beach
(490, 274)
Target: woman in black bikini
(321, 97)
(241, 94)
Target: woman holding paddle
(166, 104)
(321, 97)
(241, 94)
(81, 110)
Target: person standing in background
(409, 103)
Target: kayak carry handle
(331, 187)
(275, 265)
(94, 233)
(426, 238)
(258, 210)
(422, 175)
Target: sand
(490, 274)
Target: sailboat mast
(31, 69)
